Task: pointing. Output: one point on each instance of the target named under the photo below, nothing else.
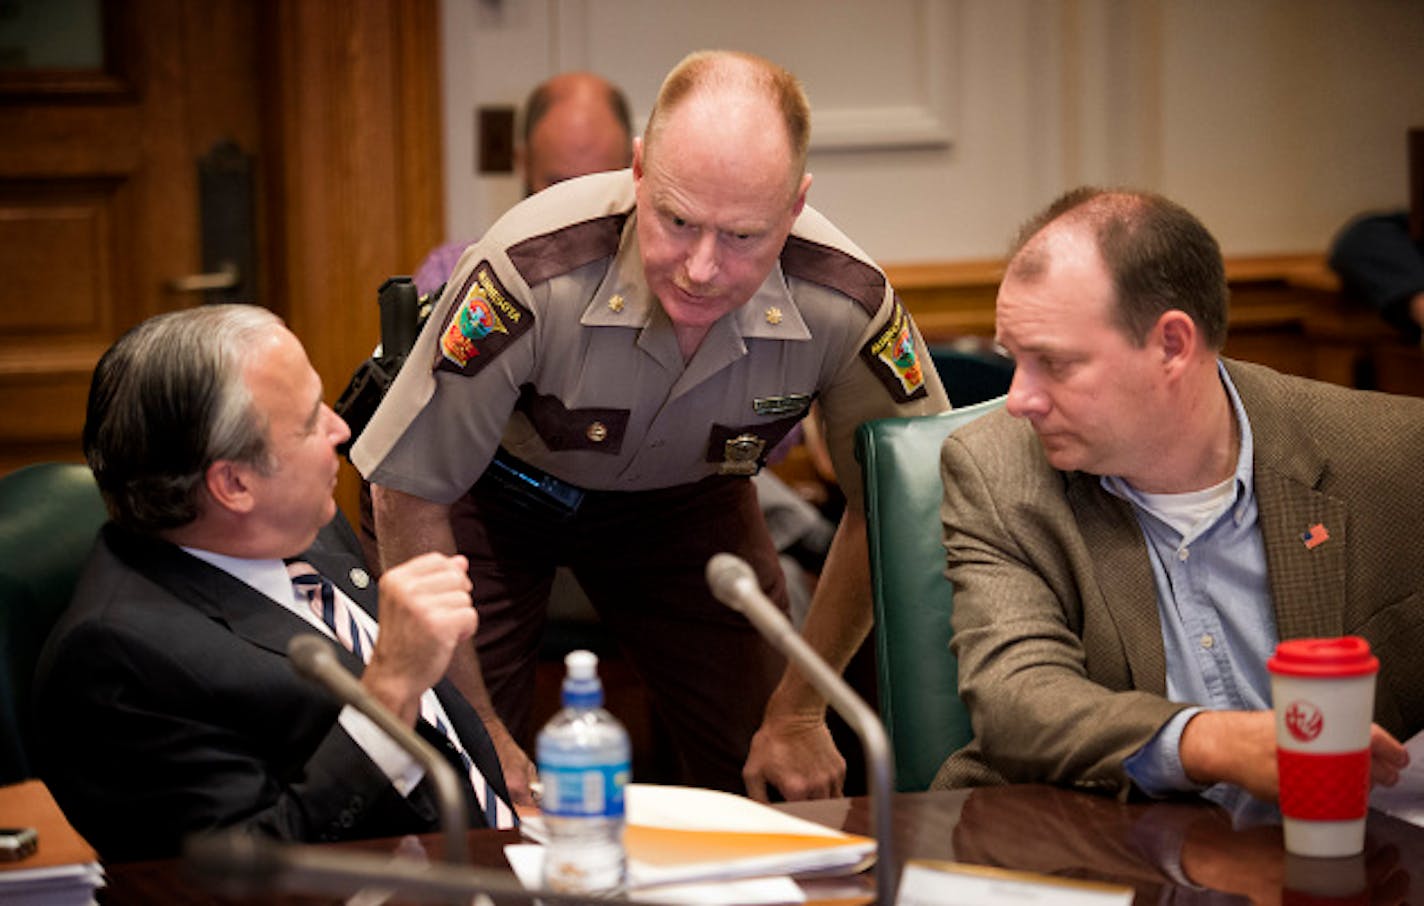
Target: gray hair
(167, 401)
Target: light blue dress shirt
(1218, 624)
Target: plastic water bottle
(583, 757)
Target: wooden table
(1157, 849)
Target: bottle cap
(581, 664)
(1323, 658)
(582, 688)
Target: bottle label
(593, 791)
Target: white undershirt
(1189, 511)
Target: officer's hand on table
(519, 772)
(796, 755)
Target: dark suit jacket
(165, 704)
(1056, 625)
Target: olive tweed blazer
(1056, 627)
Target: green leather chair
(916, 675)
(50, 514)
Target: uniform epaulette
(834, 269)
(544, 257)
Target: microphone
(244, 865)
(734, 583)
(312, 657)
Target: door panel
(97, 203)
(337, 101)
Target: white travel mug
(1324, 693)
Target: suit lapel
(1124, 577)
(343, 567)
(1307, 583)
(228, 600)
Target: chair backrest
(50, 514)
(972, 371)
(916, 674)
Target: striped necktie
(316, 591)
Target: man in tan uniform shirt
(633, 344)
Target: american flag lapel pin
(1316, 536)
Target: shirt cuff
(1156, 768)
(403, 771)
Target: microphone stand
(242, 865)
(312, 657)
(734, 583)
(245, 865)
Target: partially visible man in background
(575, 123)
(1382, 265)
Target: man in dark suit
(165, 703)
(1145, 520)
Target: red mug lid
(1344, 656)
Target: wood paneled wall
(353, 113)
(1286, 312)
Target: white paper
(527, 860)
(693, 809)
(1405, 800)
(690, 808)
(948, 885)
(52, 885)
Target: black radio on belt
(403, 313)
(532, 489)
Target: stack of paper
(63, 870)
(679, 835)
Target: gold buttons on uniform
(360, 578)
(773, 315)
(597, 432)
(615, 304)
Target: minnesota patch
(892, 357)
(481, 325)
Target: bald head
(575, 123)
(1159, 256)
(748, 103)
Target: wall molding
(926, 119)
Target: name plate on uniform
(791, 404)
(932, 883)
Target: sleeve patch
(893, 358)
(481, 325)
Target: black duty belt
(532, 489)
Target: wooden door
(99, 191)
(98, 198)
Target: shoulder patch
(834, 269)
(892, 356)
(542, 257)
(481, 324)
